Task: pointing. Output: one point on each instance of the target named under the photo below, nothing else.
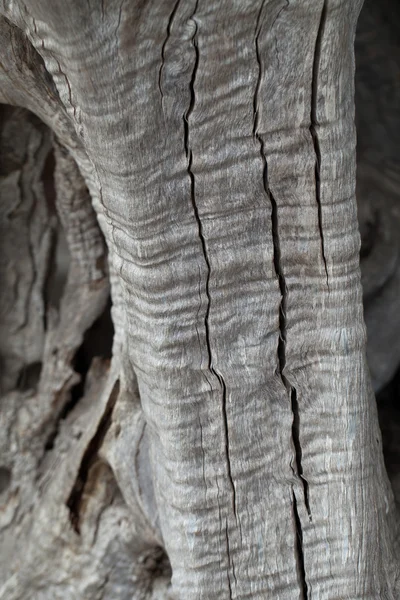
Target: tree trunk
(232, 439)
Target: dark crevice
(299, 550)
(313, 131)
(169, 26)
(189, 157)
(29, 376)
(61, 72)
(226, 428)
(198, 333)
(53, 280)
(47, 178)
(5, 479)
(97, 342)
(156, 563)
(59, 258)
(90, 455)
(281, 349)
(189, 111)
(297, 446)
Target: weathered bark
(235, 430)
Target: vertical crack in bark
(61, 72)
(299, 550)
(119, 19)
(189, 156)
(282, 341)
(228, 576)
(75, 499)
(169, 25)
(297, 445)
(211, 368)
(281, 350)
(197, 330)
(230, 561)
(314, 134)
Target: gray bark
(234, 430)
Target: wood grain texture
(67, 531)
(217, 140)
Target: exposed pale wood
(236, 426)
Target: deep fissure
(297, 445)
(282, 344)
(189, 157)
(281, 349)
(314, 135)
(299, 549)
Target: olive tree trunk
(232, 439)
